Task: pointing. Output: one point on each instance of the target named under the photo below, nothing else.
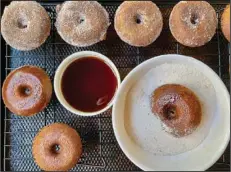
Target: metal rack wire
(101, 151)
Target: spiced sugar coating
(45, 152)
(138, 23)
(82, 23)
(177, 107)
(193, 23)
(25, 25)
(27, 90)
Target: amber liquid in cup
(88, 84)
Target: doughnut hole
(24, 91)
(138, 19)
(22, 23)
(80, 20)
(169, 112)
(55, 149)
(194, 19)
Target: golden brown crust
(138, 23)
(82, 23)
(25, 25)
(177, 107)
(27, 78)
(225, 22)
(66, 157)
(193, 23)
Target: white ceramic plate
(202, 156)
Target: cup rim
(62, 67)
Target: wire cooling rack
(101, 151)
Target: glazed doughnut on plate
(82, 23)
(138, 23)
(25, 25)
(177, 107)
(193, 23)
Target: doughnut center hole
(55, 149)
(24, 90)
(22, 23)
(81, 20)
(138, 19)
(170, 112)
(194, 19)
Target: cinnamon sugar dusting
(147, 130)
(138, 23)
(181, 104)
(25, 25)
(193, 23)
(27, 90)
(82, 23)
(225, 22)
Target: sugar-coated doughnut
(177, 107)
(27, 90)
(225, 22)
(193, 23)
(82, 23)
(25, 25)
(57, 147)
(138, 23)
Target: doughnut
(193, 23)
(225, 22)
(138, 23)
(82, 23)
(57, 147)
(177, 107)
(27, 90)
(25, 25)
